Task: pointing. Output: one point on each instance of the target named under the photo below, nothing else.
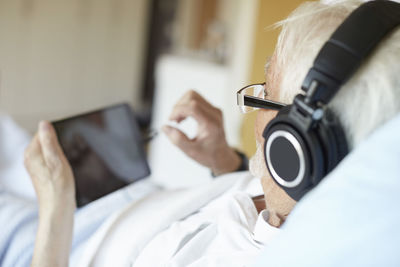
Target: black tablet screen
(104, 149)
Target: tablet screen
(105, 151)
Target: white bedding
(13, 176)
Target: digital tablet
(105, 150)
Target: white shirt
(213, 225)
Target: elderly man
(220, 224)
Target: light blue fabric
(352, 218)
(18, 222)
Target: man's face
(277, 201)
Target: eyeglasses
(248, 99)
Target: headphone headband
(342, 54)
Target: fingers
(192, 109)
(178, 138)
(194, 105)
(191, 95)
(50, 173)
(33, 155)
(51, 150)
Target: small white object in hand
(188, 126)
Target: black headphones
(306, 141)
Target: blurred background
(63, 57)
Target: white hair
(369, 98)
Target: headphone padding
(311, 145)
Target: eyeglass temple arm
(262, 103)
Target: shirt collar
(263, 231)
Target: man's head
(366, 101)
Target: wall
(61, 57)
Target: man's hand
(50, 171)
(53, 181)
(209, 147)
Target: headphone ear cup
(334, 140)
(281, 162)
(288, 164)
(341, 140)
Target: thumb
(178, 138)
(52, 152)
